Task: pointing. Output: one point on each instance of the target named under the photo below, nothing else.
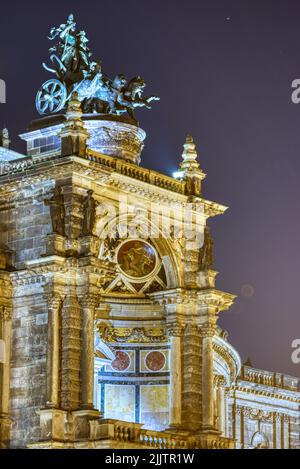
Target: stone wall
(24, 222)
(28, 363)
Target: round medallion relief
(136, 258)
(155, 361)
(121, 362)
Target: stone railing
(15, 166)
(134, 171)
(268, 378)
(127, 434)
(211, 442)
(260, 377)
(162, 440)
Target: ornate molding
(254, 414)
(176, 329)
(54, 300)
(268, 393)
(261, 415)
(228, 354)
(135, 335)
(220, 381)
(89, 301)
(208, 330)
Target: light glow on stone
(178, 174)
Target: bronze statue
(89, 208)
(57, 211)
(75, 71)
(206, 252)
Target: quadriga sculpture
(75, 71)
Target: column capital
(175, 329)
(219, 381)
(54, 300)
(89, 301)
(208, 330)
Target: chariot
(75, 72)
(55, 93)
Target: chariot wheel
(51, 97)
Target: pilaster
(88, 305)
(54, 366)
(175, 403)
(5, 336)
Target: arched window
(260, 441)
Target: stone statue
(89, 208)
(4, 138)
(57, 211)
(75, 71)
(206, 252)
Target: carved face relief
(137, 259)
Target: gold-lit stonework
(114, 342)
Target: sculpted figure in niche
(206, 252)
(89, 208)
(57, 211)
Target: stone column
(71, 352)
(237, 425)
(242, 427)
(96, 394)
(207, 333)
(175, 392)
(54, 344)
(88, 304)
(5, 332)
(285, 431)
(277, 430)
(220, 406)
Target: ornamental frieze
(261, 415)
(130, 335)
(266, 393)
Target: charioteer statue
(76, 71)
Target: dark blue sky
(223, 70)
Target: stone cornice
(124, 176)
(263, 391)
(206, 297)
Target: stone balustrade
(268, 378)
(136, 172)
(132, 434)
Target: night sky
(223, 70)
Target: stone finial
(248, 362)
(73, 134)
(189, 154)
(190, 170)
(74, 111)
(4, 138)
